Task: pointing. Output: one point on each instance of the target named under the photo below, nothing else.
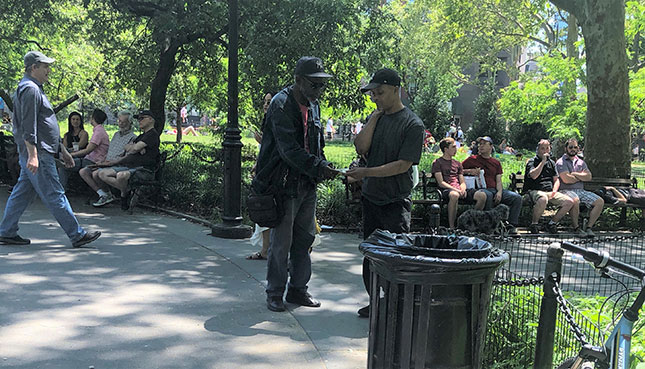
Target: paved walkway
(159, 292)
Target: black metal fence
(515, 310)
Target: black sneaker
(15, 240)
(89, 237)
(534, 228)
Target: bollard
(548, 310)
(435, 215)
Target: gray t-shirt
(397, 136)
(564, 164)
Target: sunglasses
(142, 117)
(315, 85)
(573, 147)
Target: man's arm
(32, 160)
(135, 147)
(470, 167)
(536, 171)
(568, 178)
(363, 140)
(584, 176)
(80, 153)
(386, 170)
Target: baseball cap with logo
(310, 66)
(34, 57)
(383, 76)
(143, 113)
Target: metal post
(231, 226)
(548, 311)
(435, 215)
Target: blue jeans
(510, 198)
(46, 185)
(290, 242)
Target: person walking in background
(392, 141)
(292, 161)
(329, 129)
(38, 140)
(76, 137)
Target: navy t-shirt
(397, 136)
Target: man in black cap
(392, 141)
(38, 140)
(291, 161)
(141, 157)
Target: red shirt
(449, 169)
(491, 167)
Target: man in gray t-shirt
(572, 172)
(392, 141)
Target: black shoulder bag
(265, 209)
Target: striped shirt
(117, 145)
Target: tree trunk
(570, 87)
(607, 146)
(159, 85)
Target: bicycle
(614, 354)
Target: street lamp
(231, 225)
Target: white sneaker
(103, 200)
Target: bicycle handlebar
(601, 259)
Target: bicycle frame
(619, 343)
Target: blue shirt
(34, 120)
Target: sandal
(256, 256)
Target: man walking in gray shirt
(38, 140)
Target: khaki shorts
(558, 199)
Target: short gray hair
(125, 113)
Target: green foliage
(430, 103)
(540, 97)
(488, 121)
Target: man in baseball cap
(495, 193)
(38, 140)
(292, 147)
(34, 57)
(392, 140)
(383, 76)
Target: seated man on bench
(573, 172)
(141, 157)
(450, 179)
(541, 182)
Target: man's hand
(328, 172)
(551, 195)
(104, 164)
(68, 160)
(356, 174)
(498, 197)
(32, 163)
(462, 193)
(472, 171)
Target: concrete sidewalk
(158, 292)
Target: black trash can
(429, 298)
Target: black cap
(383, 76)
(310, 66)
(34, 57)
(142, 113)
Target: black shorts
(470, 195)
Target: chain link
(568, 316)
(519, 282)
